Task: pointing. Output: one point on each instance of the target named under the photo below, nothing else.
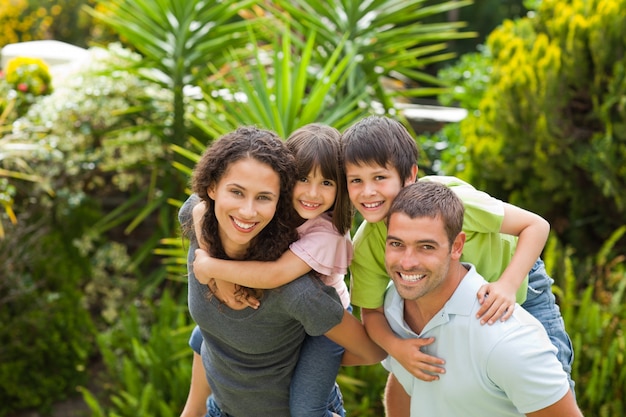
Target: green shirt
(485, 247)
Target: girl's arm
(360, 349)
(532, 232)
(406, 351)
(252, 274)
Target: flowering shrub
(25, 80)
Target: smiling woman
(245, 181)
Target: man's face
(418, 255)
(372, 188)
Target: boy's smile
(372, 189)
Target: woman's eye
(328, 183)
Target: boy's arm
(532, 232)
(406, 351)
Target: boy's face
(372, 189)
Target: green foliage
(148, 362)
(29, 20)
(284, 89)
(596, 321)
(362, 388)
(391, 39)
(45, 342)
(549, 130)
(99, 142)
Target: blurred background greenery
(94, 165)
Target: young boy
(504, 242)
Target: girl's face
(245, 202)
(314, 194)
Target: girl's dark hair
(266, 147)
(317, 145)
(382, 141)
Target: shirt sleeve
(325, 251)
(368, 275)
(524, 365)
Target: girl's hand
(497, 301)
(202, 266)
(418, 363)
(230, 294)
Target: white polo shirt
(506, 369)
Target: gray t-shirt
(249, 355)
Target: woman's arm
(532, 232)
(360, 349)
(199, 390)
(406, 351)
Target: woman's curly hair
(266, 147)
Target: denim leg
(195, 340)
(213, 410)
(313, 391)
(541, 303)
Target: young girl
(232, 334)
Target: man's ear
(457, 246)
(412, 176)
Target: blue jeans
(540, 302)
(335, 405)
(313, 391)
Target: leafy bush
(596, 321)
(549, 131)
(29, 20)
(46, 342)
(148, 362)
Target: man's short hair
(430, 199)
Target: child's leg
(540, 302)
(313, 391)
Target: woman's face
(245, 202)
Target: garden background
(94, 163)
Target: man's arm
(397, 402)
(565, 407)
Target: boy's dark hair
(318, 145)
(382, 141)
(430, 199)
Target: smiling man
(507, 369)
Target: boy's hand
(497, 301)
(418, 363)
